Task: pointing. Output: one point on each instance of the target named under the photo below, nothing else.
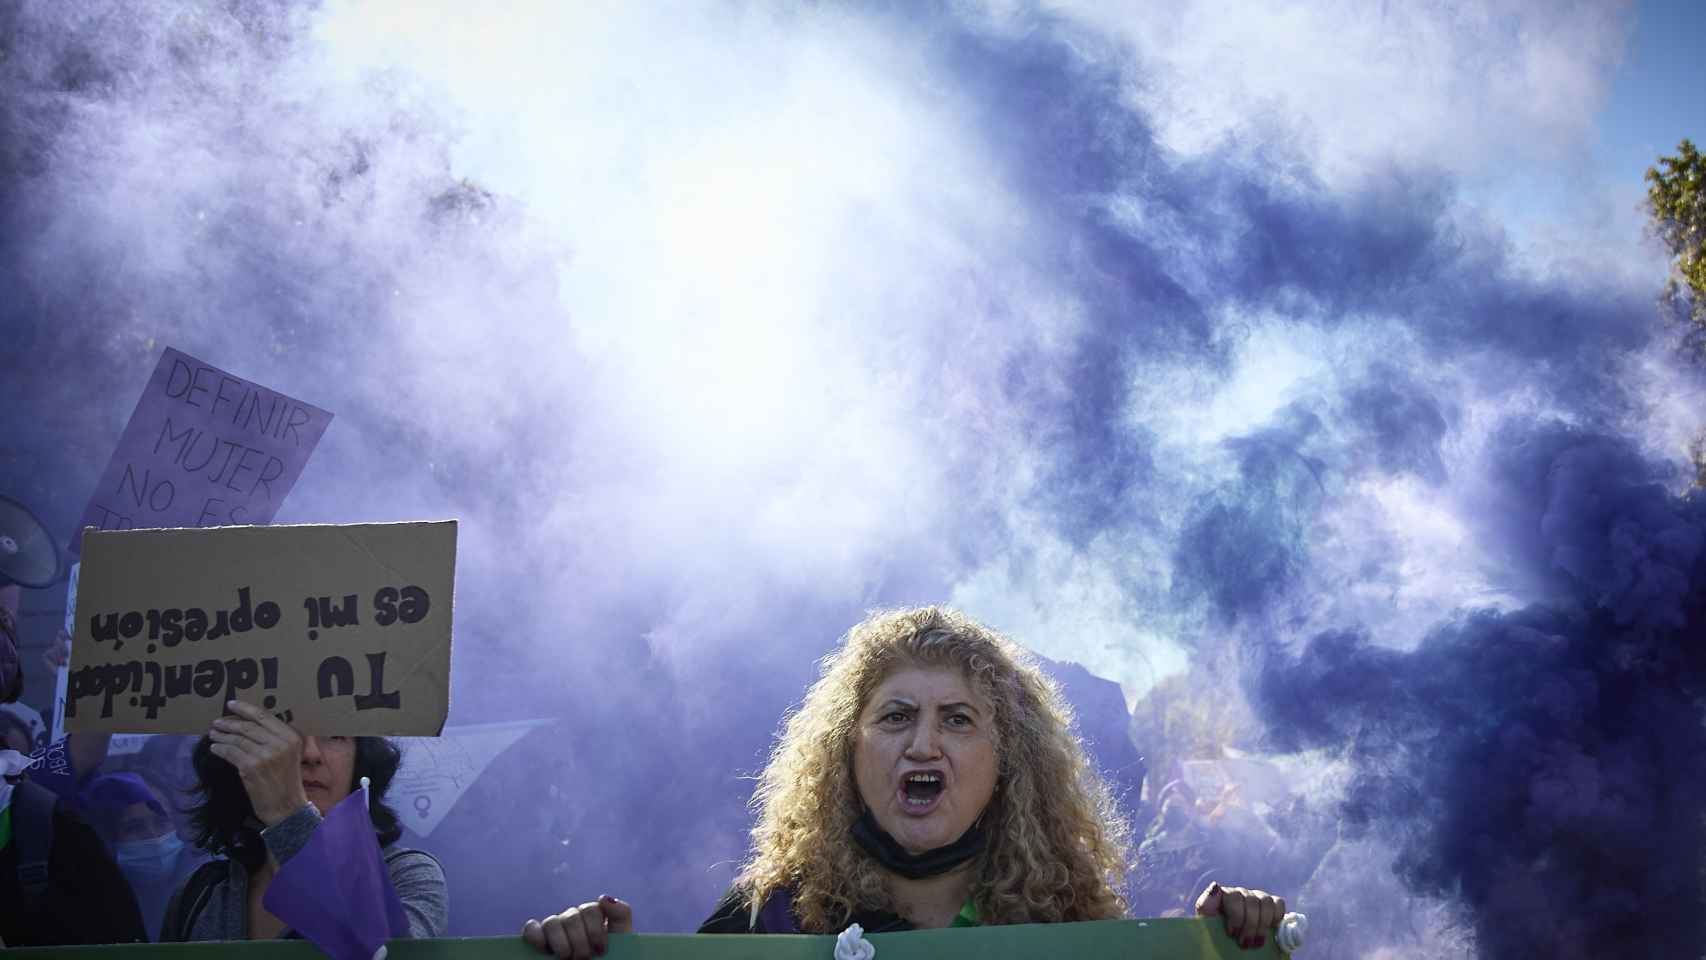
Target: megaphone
(28, 556)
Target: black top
(733, 914)
(87, 899)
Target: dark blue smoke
(1244, 547)
(1542, 767)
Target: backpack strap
(33, 806)
(190, 900)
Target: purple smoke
(716, 336)
(1526, 759)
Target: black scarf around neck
(887, 851)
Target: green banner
(1190, 939)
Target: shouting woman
(929, 779)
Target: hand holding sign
(1249, 914)
(268, 756)
(580, 933)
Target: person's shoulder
(419, 880)
(82, 871)
(192, 859)
(192, 899)
(70, 829)
(412, 863)
(203, 877)
(407, 856)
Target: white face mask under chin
(12, 763)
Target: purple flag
(336, 891)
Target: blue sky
(1657, 93)
(1640, 104)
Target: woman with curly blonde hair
(930, 778)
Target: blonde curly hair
(1057, 848)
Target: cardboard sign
(436, 771)
(203, 448)
(335, 629)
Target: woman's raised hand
(580, 932)
(1250, 915)
(268, 756)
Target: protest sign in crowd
(220, 763)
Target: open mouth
(920, 791)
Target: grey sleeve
(286, 838)
(415, 875)
(420, 884)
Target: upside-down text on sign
(338, 629)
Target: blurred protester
(1307, 830)
(1171, 857)
(165, 762)
(930, 779)
(21, 728)
(58, 883)
(66, 763)
(1277, 842)
(134, 819)
(266, 790)
(11, 667)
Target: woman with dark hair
(264, 789)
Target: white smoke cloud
(1461, 87)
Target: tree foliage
(1676, 198)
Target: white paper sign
(64, 671)
(124, 744)
(436, 771)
